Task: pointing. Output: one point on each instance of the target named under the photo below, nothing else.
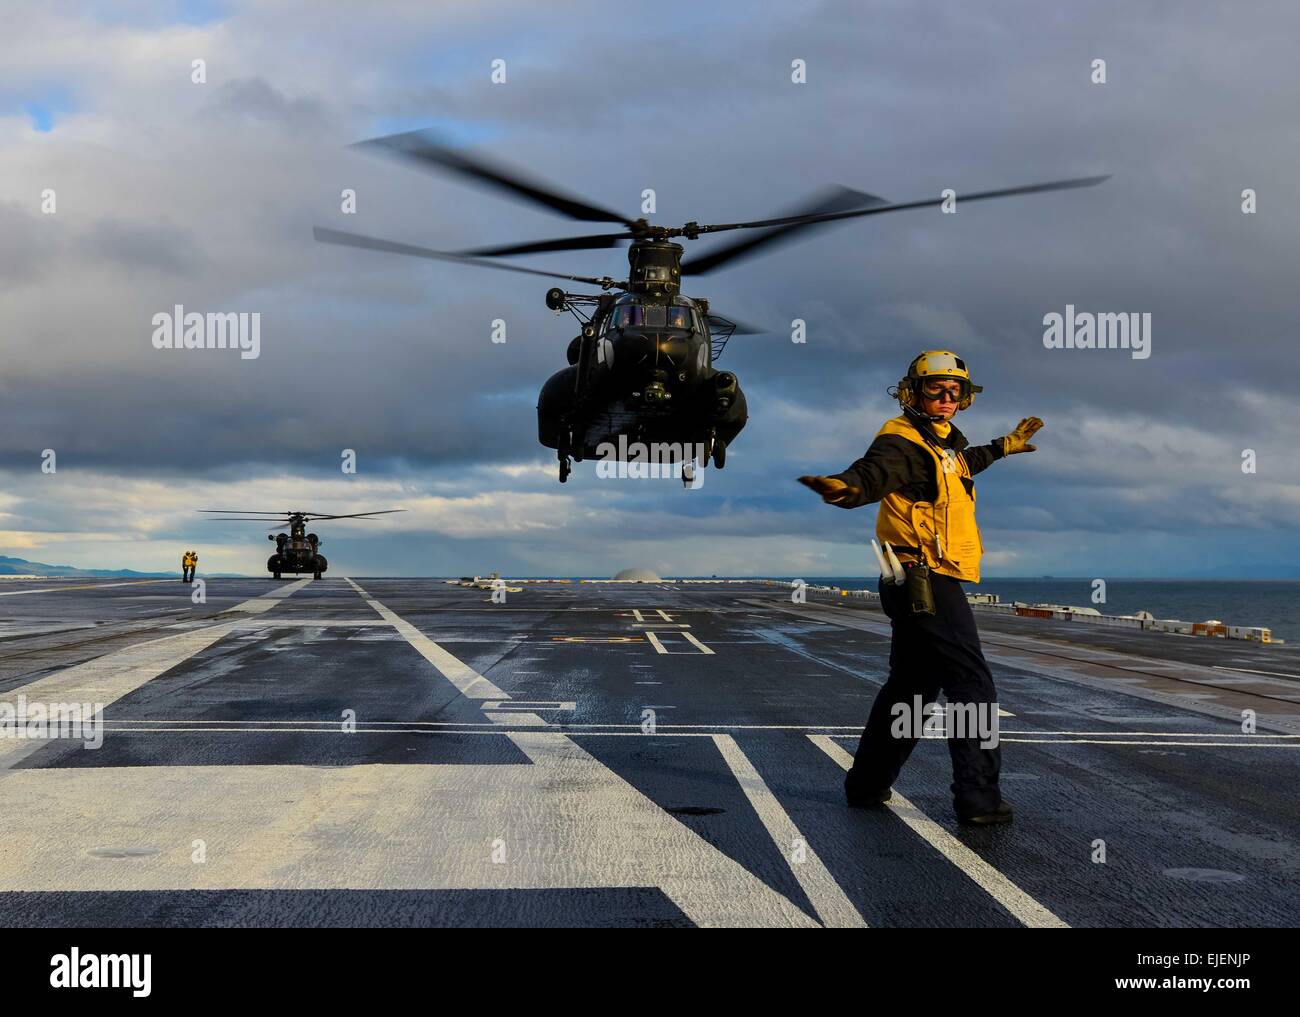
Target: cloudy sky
(204, 194)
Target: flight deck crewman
(189, 562)
(920, 469)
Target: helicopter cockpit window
(651, 316)
(679, 317)
(627, 316)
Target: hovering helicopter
(641, 370)
(296, 551)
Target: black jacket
(893, 463)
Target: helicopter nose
(652, 349)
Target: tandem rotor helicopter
(642, 367)
(296, 551)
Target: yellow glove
(1018, 440)
(831, 489)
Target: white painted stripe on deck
(471, 684)
(833, 907)
(1024, 908)
(1250, 670)
(264, 603)
(692, 639)
(107, 679)
(518, 719)
(291, 622)
(289, 589)
(660, 648)
(86, 586)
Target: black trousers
(927, 655)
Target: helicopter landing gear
(275, 575)
(715, 449)
(562, 453)
(316, 576)
(688, 474)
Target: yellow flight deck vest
(944, 529)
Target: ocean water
(1269, 602)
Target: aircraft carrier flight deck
(377, 752)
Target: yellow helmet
(936, 364)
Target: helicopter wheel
(565, 469)
(317, 576)
(275, 575)
(688, 474)
(719, 453)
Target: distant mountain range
(23, 567)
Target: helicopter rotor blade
(1006, 192)
(358, 515)
(835, 199)
(248, 512)
(422, 147)
(587, 243)
(330, 236)
(249, 519)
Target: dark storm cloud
(256, 99)
(903, 99)
(160, 246)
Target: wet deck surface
(406, 752)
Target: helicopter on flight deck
(296, 551)
(641, 370)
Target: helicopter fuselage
(297, 552)
(641, 372)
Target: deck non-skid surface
(407, 752)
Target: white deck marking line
(516, 719)
(288, 590)
(113, 676)
(87, 586)
(660, 648)
(264, 603)
(1251, 670)
(691, 638)
(1023, 907)
(471, 684)
(833, 907)
(1111, 741)
(269, 623)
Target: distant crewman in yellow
(920, 469)
(189, 562)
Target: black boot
(861, 799)
(1001, 814)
